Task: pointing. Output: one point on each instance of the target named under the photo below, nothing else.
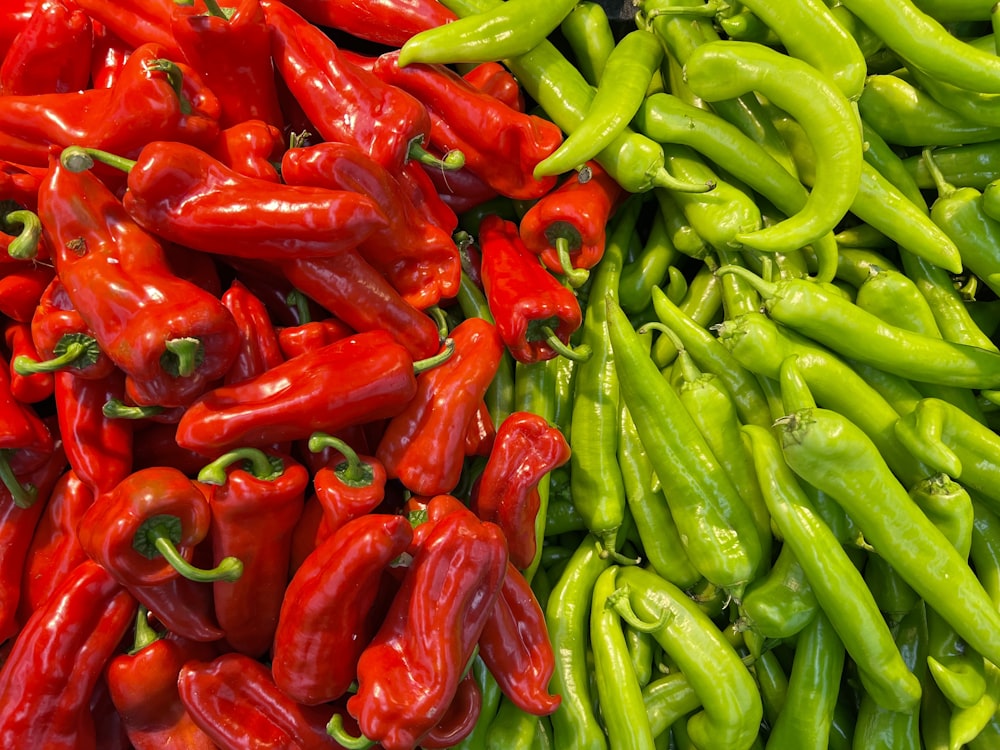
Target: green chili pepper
(743, 25)
(667, 700)
(648, 269)
(967, 723)
(772, 683)
(781, 603)
(641, 651)
(895, 598)
(985, 550)
(678, 228)
(512, 728)
(702, 303)
(588, 32)
(971, 165)
(722, 70)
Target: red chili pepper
(388, 22)
(461, 190)
(424, 445)
(419, 258)
(17, 527)
(481, 433)
(327, 614)
(501, 144)
(231, 49)
(107, 57)
(137, 23)
(45, 57)
(307, 337)
(170, 337)
(253, 496)
(154, 99)
(143, 689)
(345, 103)
(260, 347)
(68, 640)
(201, 269)
(144, 532)
(32, 387)
(567, 226)
(233, 697)
(526, 449)
(460, 718)
(21, 287)
(409, 674)
(348, 486)
(16, 13)
(19, 183)
(252, 147)
(515, 647)
(423, 193)
(354, 380)
(54, 550)
(534, 313)
(494, 79)
(26, 442)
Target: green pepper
(782, 603)
(588, 32)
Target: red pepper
(253, 496)
(170, 337)
(409, 674)
(137, 23)
(144, 532)
(55, 549)
(29, 388)
(260, 348)
(234, 700)
(21, 286)
(481, 433)
(98, 447)
(567, 226)
(515, 647)
(143, 688)
(17, 528)
(461, 190)
(107, 57)
(154, 99)
(201, 269)
(460, 718)
(354, 380)
(327, 614)
(494, 79)
(155, 445)
(534, 313)
(348, 486)
(423, 193)
(231, 49)
(109, 732)
(424, 445)
(252, 147)
(57, 659)
(16, 13)
(419, 258)
(388, 22)
(19, 183)
(345, 103)
(309, 336)
(501, 144)
(526, 449)
(26, 442)
(45, 57)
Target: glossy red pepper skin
(107, 57)
(345, 497)
(355, 292)
(388, 22)
(481, 434)
(501, 145)
(419, 258)
(494, 79)
(246, 509)
(69, 639)
(525, 450)
(410, 672)
(25, 438)
(461, 190)
(17, 13)
(345, 103)
(142, 106)
(306, 337)
(45, 57)
(460, 718)
(21, 286)
(233, 55)
(260, 347)
(54, 550)
(234, 697)
(19, 183)
(109, 527)
(252, 147)
(424, 445)
(577, 211)
(358, 379)
(515, 647)
(329, 612)
(522, 295)
(99, 448)
(31, 388)
(136, 24)
(117, 276)
(423, 192)
(155, 446)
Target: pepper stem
(710, 8)
(72, 350)
(609, 549)
(115, 408)
(352, 471)
(183, 356)
(145, 635)
(25, 245)
(24, 495)
(441, 318)
(581, 354)
(453, 159)
(335, 728)
(161, 534)
(618, 600)
(662, 178)
(795, 393)
(216, 11)
(440, 358)
(175, 77)
(943, 187)
(262, 466)
(82, 158)
(576, 277)
(300, 303)
(761, 285)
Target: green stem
(452, 160)
(182, 356)
(72, 350)
(942, 185)
(145, 635)
(216, 11)
(115, 408)
(261, 465)
(761, 285)
(24, 495)
(576, 277)
(440, 318)
(581, 354)
(662, 178)
(81, 158)
(175, 77)
(300, 302)
(619, 602)
(160, 534)
(440, 358)
(352, 471)
(25, 245)
(335, 728)
(710, 8)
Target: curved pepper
(383, 21)
(260, 347)
(461, 717)
(348, 486)
(46, 58)
(31, 387)
(252, 147)
(26, 442)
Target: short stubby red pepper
(387, 22)
(137, 23)
(143, 689)
(525, 450)
(260, 347)
(26, 441)
(358, 379)
(234, 700)
(424, 445)
(169, 336)
(45, 58)
(253, 495)
(327, 615)
(311, 335)
(349, 485)
(535, 314)
(22, 284)
(481, 433)
(423, 192)
(69, 640)
(30, 387)
(566, 228)
(144, 532)
(252, 147)
(418, 257)
(107, 57)
(231, 50)
(501, 144)
(515, 647)
(494, 79)
(409, 674)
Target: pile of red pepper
(256, 484)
